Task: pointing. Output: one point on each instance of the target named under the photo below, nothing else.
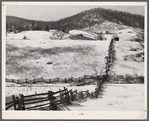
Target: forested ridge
(81, 20)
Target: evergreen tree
(47, 28)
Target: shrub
(49, 62)
(100, 37)
(129, 78)
(107, 32)
(116, 38)
(129, 32)
(141, 79)
(24, 37)
(80, 35)
(133, 49)
(125, 58)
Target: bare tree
(96, 65)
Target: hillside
(98, 15)
(25, 24)
(81, 20)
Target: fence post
(33, 81)
(14, 102)
(12, 80)
(26, 81)
(41, 79)
(57, 79)
(88, 93)
(72, 96)
(67, 98)
(81, 95)
(51, 100)
(22, 99)
(49, 80)
(91, 76)
(20, 102)
(18, 81)
(75, 95)
(72, 79)
(91, 95)
(96, 92)
(100, 86)
(79, 79)
(84, 76)
(65, 80)
(98, 77)
(65, 94)
(17, 101)
(63, 97)
(49, 97)
(60, 95)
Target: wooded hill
(85, 19)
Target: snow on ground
(40, 39)
(129, 34)
(65, 64)
(31, 35)
(122, 66)
(117, 97)
(16, 89)
(102, 45)
(106, 26)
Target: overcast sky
(49, 12)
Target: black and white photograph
(77, 60)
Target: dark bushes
(129, 79)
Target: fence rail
(78, 80)
(50, 101)
(53, 80)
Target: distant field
(28, 58)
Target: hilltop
(82, 20)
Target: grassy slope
(28, 58)
(131, 67)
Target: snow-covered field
(131, 67)
(117, 97)
(28, 58)
(30, 35)
(42, 88)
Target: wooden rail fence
(50, 100)
(54, 80)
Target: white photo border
(71, 114)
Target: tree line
(81, 20)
